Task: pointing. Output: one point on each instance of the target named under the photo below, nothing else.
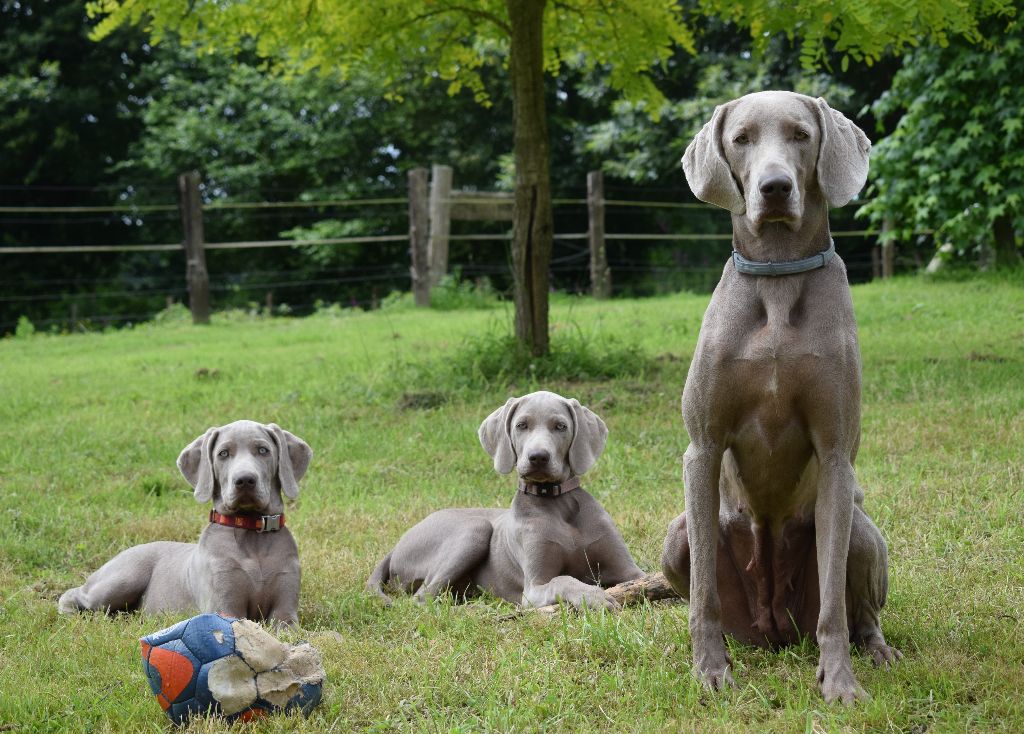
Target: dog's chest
(250, 564)
(765, 343)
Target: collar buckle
(544, 489)
(269, 524)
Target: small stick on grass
(653, 586)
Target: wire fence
(641, 262)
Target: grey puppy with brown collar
(246, 563)
(774, 541)
(556, 542)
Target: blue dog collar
(789, 267)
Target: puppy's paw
(596, 598)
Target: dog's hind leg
(458, 554)
(116, 586)
(867, 584)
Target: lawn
(91, 425)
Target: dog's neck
(549, 489)
(776, 242)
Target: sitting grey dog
(246, 563)
(774, 542)
(556, 542)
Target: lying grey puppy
(555, 543)
(246, 563)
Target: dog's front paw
(838, 684)
(595, 598)
(716, 679)
(711, 666)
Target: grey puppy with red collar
(246, 563)
(555, 543)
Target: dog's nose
(776, 189)
(539, 458)
(245, 481)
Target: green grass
(90, 426)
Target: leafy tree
(457, 38)
(955, 162)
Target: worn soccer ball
(212, 664)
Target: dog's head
(245, 467)
(765, 155)
(544, 437)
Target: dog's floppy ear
(293, 459)
(195, 462)
(588, 438)
(496, 439)
(842, 156)
(707, 171)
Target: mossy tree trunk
(533, 226)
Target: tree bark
(533, 225)
(1005, 241)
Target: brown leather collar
(259, 523)
(549, 489)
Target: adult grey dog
(555, 543)
(772, 403)
(246, 563)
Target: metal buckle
(271, 523)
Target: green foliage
(955, 162)
(632, 142)
(452, 41)
(455, 292)
(495, 358)
(63, 99)
(25, 328)
(176, 313)
(863, 30)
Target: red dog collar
(547, 489)
(259, 523)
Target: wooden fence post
(600, 277)
(440, 221)
(888, 249)
(195, 256)
(418, 231)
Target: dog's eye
(801, 135)
(741, 139)
(561, 427)
(263, 450)
(223, 453)
(521, 425)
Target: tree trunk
(533, 224)
(1005, 241)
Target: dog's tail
(380, 576)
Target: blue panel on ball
(203, 696)
(209, 637)
(307, 698)
(170, 633)
(183, 711)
